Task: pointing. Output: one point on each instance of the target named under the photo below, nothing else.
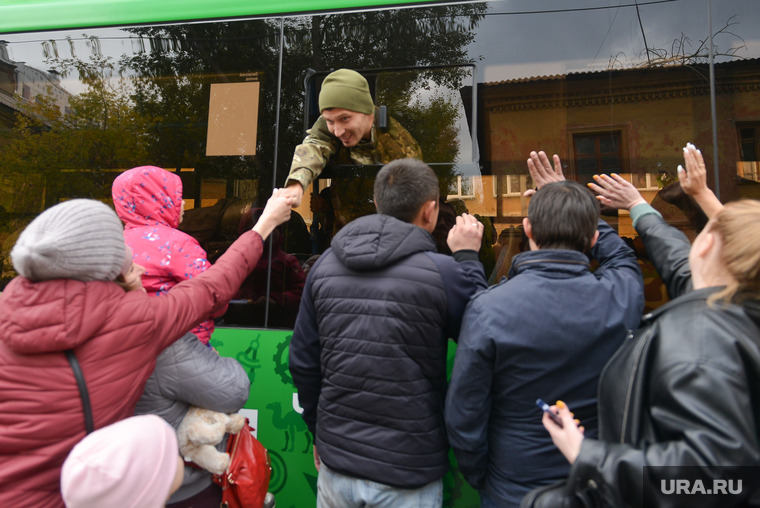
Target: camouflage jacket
(320, 146)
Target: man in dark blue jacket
(368, 353)
(546, 333)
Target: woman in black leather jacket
(683, 390)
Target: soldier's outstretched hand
(294, 191)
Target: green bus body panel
(34, 15)
(271, 408)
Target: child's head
(133, 463)
(148, 195)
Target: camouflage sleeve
(396, 143)
(310, 157)
(412, 147)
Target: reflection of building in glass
(7, 87)
(20, 82)
(21, 194)
(749, 146)
(632, 121)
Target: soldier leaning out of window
(347, 130)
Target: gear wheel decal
(281, 361)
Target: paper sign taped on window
(232, 119)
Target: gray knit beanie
(81, 239)
(346, 89)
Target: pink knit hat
(130, 464)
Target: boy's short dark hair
(403, 186)
(563, 215)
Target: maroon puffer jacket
(116, 337)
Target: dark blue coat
(368, 354)
(545, 333)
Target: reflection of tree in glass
(181, 61)
(50, 155)
(432, 120)
(390, 38)
(172, 84)
(398, 38)
(100, 130)
(683, 51)
(160, 116)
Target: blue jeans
(338, 491)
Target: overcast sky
(515, 44)
(524, 45)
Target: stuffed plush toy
(199, 433)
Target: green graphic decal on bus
(274, 413)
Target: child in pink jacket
(149, 202)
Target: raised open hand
(694, 178)
(616, 191)
(541, 170)
(694, 181)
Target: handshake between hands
(467, 233)
(613, 191)
(276, 211)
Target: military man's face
(349, 127)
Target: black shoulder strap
(82, 389)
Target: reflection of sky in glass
(517, 38)
(424, 95)
(515, 45)
(31, 48)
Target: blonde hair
(738, 226)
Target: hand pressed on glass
(541, 170)
(467, 233)
(616, 192)
(694, 181)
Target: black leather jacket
(683, 390)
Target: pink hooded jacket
(149, 201)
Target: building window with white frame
(645, 181)
(512, 185)
(462, 188)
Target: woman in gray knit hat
(74, 268)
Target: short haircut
(403, 186)
(563, 215)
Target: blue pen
(548, 410)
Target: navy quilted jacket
(368, 354)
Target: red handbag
(245, 482)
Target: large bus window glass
(80, 108)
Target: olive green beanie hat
(346, 89)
